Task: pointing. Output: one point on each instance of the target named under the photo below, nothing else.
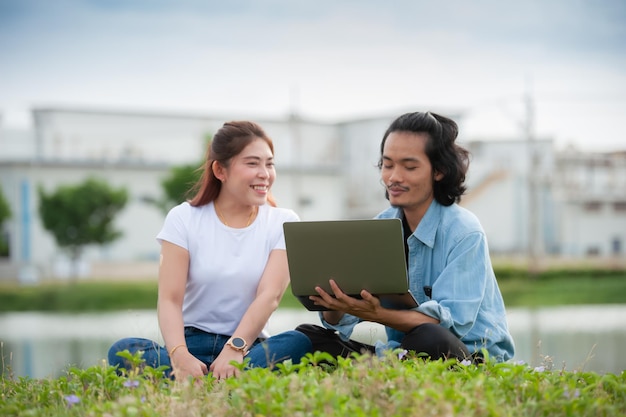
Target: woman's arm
(173, 269)
(271, 288)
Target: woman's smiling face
(250, 174)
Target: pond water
(589, 338)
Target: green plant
(177, 185)
(82, 214)
(361, 385)
(5, 214)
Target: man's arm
(332, 317)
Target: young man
(461, 313)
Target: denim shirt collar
(427, 229)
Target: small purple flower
(72, 399)
(402, 354)
(540, 368)
(521, 362)
(570, 395)
(131, 383)
(466, 362)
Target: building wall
(16, 144)
(499, 193)
(325, 171)
(319, 196)
(597, 231)
(364, 196)
(140, 221)
(32, 244)
(590, 193)
(498, 206)
(116, 136)
(134, 151)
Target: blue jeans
(207, 346)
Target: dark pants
(430, 339)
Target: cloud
(339, 59)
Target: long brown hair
(227, 143)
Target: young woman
(223, 267)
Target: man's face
(406, 171)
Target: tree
(177, 184)
(5, 214)
(81, 215)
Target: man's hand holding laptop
(340, 303)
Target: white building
(578, 208)
(325, 171)
(590, 195)
(499, 192)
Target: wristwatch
(237, 343)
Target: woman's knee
(296, 342)
(289, 345)
(119, 346)
(132, 345)
(302, 341)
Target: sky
(554, 68)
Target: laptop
(357, 254)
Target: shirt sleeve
(286, 216)
(458, 291)
(174, 229)
(345, 327)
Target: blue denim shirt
(448, 253)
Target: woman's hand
(222, 367)
(185, 365)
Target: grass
(550, 288)
(564, 290)
(79, 296)
(357, 386)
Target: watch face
(238, 342)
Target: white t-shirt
(225, 264)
